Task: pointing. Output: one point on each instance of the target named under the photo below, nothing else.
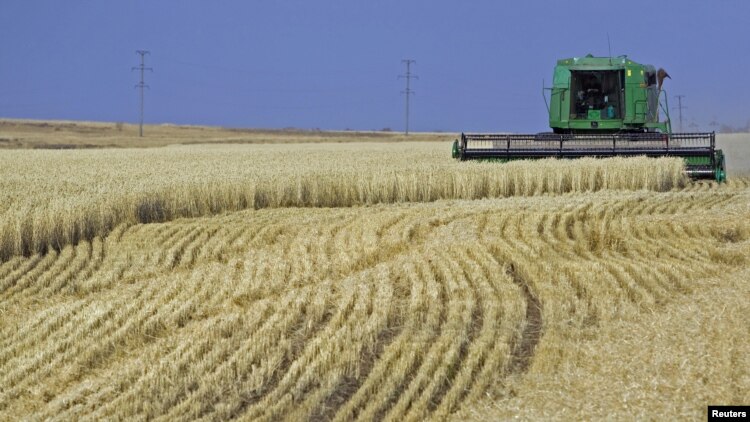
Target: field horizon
(73, 134)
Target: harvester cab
(603, 107)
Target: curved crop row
(399, 313)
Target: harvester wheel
(455, 153)
(721, 171)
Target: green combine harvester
(603, 107)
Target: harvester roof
(596, 63)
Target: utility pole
(680, 107)
(408, 92)
(142, 84)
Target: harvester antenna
(142, 84)
(408, 92)
(609, 48)
(680, 107)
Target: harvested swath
(458, 309)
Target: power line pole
(408, 92)
(680, 107)
(142, 84)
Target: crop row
(398, 313)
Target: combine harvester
(603, 107)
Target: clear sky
(334, 64)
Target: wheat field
(49, 199)
(367, 282)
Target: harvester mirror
(660, 75)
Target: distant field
(362, 280)
(74, 134)
(35, 134)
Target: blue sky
(334, 64)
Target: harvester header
(603, 107)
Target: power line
(142, 84)
(408, 92)
(680, 107)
